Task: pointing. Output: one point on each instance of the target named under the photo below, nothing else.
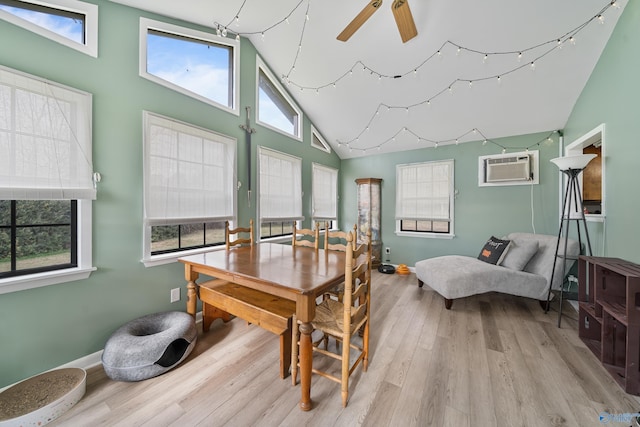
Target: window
(69, 22)
(424, 199)
(189, 188)
(46, 182)
(36, 236)
(197, 64)
(280, 192)
(276, 109)
(317, 141)
(276, 229)
(324, 197)
(324, 225)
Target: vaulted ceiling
(476, 69)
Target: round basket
(39, 400)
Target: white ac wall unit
(508, 169)
(515, 168)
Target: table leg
(306, 358)
(192, 298)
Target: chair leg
(365, 347)
(447, 303)
(344, 384)
(294, 350)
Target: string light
(557, 41)
(262, 32)
(552, 44)
(435, 143)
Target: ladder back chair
(305, 236)
(209, 311)
(344, 319)
(336, 240)
(238, 232)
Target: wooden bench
(222, 299)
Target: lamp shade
(578, 162)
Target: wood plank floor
(492, 360)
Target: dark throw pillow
(494, 250)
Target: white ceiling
(432, 101)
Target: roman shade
(45, 139)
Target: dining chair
(344, 319)
(305, 236)
(336, 240)
(238, 232)
(209, 311)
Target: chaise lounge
(524, 270)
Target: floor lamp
(571, 166)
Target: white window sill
(425, 235)
(21, 283)
(594, 217)
(173, 256)
(279, 239)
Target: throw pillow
(520, 253)
(494, 250)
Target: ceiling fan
(401, 12)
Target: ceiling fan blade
(404, 20)
(360, 19)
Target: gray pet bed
(149, 346)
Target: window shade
(280, 186)
(423, 191)
(189, 173)
(45, 140)
(325, 192)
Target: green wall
(611, 97)
(47, 327)
(479, 211)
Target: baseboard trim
(86, 362)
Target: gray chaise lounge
(525, 270)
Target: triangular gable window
(317, 141)
(70, 22)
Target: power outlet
(175, 294)
(387, 251)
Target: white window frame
(576, 148)
(261, 66)
(90, 11)
(430, 235)
(323, 145)
(296, 216)
(84, 230)
(150, 24)
(153, 260)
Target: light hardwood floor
(491, 360)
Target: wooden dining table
(300, 274)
